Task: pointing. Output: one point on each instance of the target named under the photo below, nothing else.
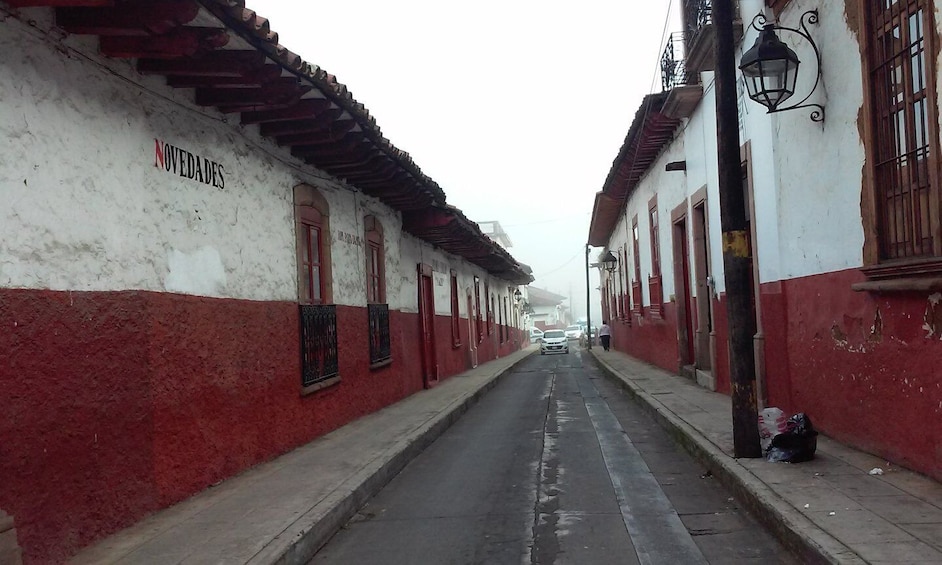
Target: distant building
(496, 233)
(546, 309)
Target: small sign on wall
(181, 162)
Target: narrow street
(554, 465)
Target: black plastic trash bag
(797, 443)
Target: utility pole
(737, 249)
(588, 301)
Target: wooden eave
(649, 133)
(232, 61)
(449, 229)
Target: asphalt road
(554, 465)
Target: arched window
(318, 316)
(312, 220)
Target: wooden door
(472, 333)
(427, 326)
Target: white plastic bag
(771, 423)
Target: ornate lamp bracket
(760, 23)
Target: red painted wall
(118, 404)
(866, 367)
(649, 338)
(874, 382)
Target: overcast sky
(516, 108)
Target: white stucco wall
(85, 208)
(817, 167)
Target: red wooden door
(472, 334)
(427, 325)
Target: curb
(796, 532)
(317, 526)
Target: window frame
(455, 311)
(312, 211)
(655, 288)
(889, 271)
(374, 250)
(479, 322)
(637, 298)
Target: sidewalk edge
(799, 534)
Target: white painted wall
(84, 207)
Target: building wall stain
(933, 317)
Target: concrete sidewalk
(283, 511)
(828, 510)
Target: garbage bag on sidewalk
(771, 423)
(797, 443)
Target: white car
(574, 332)
(554, 341)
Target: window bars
(380, 350)
(318, 343)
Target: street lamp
(610, 262)
(770, 67)
(517, 296)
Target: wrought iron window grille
(319, 360)
(380, 349)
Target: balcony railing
(380, 351)
(318, 343)
(673, 66)
(698, 14)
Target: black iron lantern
(770, 69)
(517, 296)
(610, 262)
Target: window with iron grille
(317, 318)
(380, 351)
(377, 309)
(318, 343)
(903, 144)
(455, 312)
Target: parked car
(554, 341)
(573, 332)
(535, 334)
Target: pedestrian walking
(605, 334)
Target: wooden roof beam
(270, 94)
(307, 108)
(183, 42)
(333, 132)
(264, 75)
(224, 63)
(126, 18)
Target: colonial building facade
(209, 255)
(844, 216)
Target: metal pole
(737, 250)
(588, 301)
